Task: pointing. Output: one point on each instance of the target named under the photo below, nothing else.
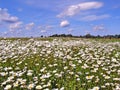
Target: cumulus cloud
(9, 22)
(75, 9)
(94, 17)
(64, 23)
(6, 17)
(29, 26)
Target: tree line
(86, 36)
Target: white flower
(38, 87)
(62, 88)
(15, 84)
(96, 88)
(65, 67)
(30, 86)
(117, 88)
(7, 87)
(3, 74)
(89, 77)
(29, 74)
(107, 77)
(78, 79)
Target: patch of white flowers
(59, 64)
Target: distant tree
(69, 35)
(88, 35)
(41, 36)
(98, 36)
(31, 37)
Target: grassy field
(59, 64)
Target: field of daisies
(59, 64)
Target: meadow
(59, 64)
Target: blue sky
(47, 17)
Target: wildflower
(16, 84)
(3, 74)
(65, 67)
(96, 88)
(8, 87)
(89, 77)
(107, 77)
(38, 87)
(29, 74)
(30, 86)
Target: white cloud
(99, 28)
(16, 25)
(49, 27)
(43, 31)
(94, 17)
(6, 17)
(64, 23)
(29, 26)
(70, 30)
(75, 9)
(10, 19)
(45, 28)
(9, 22)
